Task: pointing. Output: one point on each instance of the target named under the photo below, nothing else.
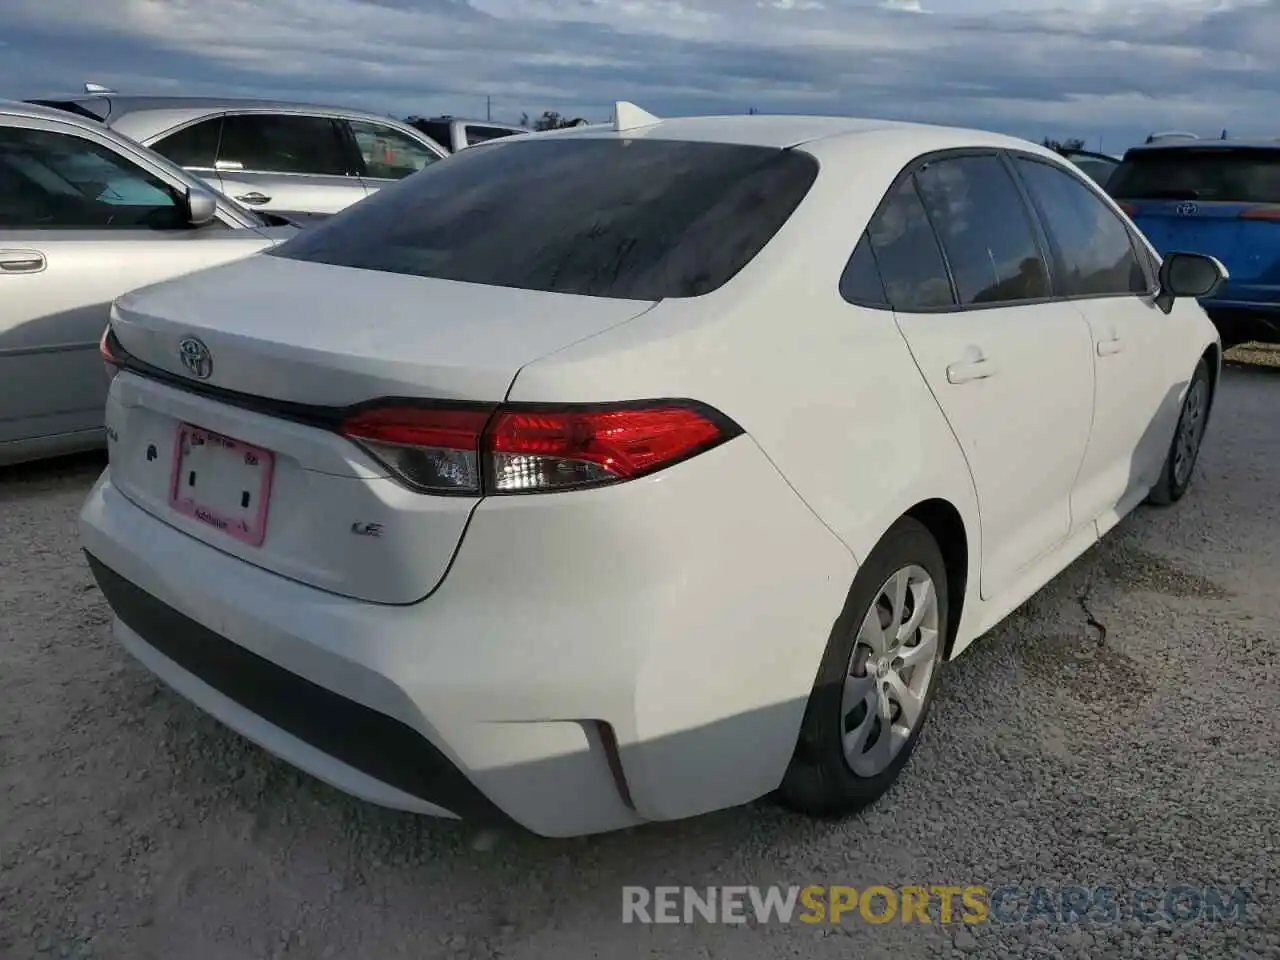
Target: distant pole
(488, 108)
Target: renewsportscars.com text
(970, 904)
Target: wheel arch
(941, 518)
(1212, 357)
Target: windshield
(1243, 175)
(631, 219)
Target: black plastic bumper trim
(369, 741)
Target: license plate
(223, 482)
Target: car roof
(784, 130)
(445, 118)
(142, 117)
(1169, 145)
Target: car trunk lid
(247, 458)
(318, 334)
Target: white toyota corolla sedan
(626, 473)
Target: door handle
(974, 368)
(21, 261)
(255, 198)
(1107, 348)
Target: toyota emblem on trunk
(1187, 209)
(196, 358)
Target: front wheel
(1175, 477)
(877, 678)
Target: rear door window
(285, 143)
(861, 282)
(906, 252)
(437, 130)
(1224, 174)
(630, 219)
(194, 146)
(985, 229)
(477, 134)
(389, 154)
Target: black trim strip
(50, 348)
(369, 741)
(326, 418)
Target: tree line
(550, 120)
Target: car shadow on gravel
(42, 476)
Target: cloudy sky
(1100, 69)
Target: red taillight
(108, 355)
(1128, 208)
(435, 449)
(1261, 213)
(557, 448)
(515, 449)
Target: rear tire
(862, 693)
(1184, 450)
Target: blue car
(1216, 197)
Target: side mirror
(1189, 275)
(202, 206)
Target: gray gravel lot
(132, 826)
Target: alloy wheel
(894, 656)
(1190, 432)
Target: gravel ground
(132, 826)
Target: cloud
(1110, 68)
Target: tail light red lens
(519, 449)
(107, 354)
(554, 449)
(1261, 213)
(1128, 208)
(433, 449)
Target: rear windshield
(96, 109)
(1186, 173)
(627, 219)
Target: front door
(80, 224)
(1098, 266)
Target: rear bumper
(362, 740)
(592, 661)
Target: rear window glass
(626, 219)
(1185, 173)
(95, 109)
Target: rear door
(80, 224)
(1222, 200)
(288, 162)
(1102, 269)
(1010, 368)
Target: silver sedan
(86, 215)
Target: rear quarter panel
(827, 390)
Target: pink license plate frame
(252, 534)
